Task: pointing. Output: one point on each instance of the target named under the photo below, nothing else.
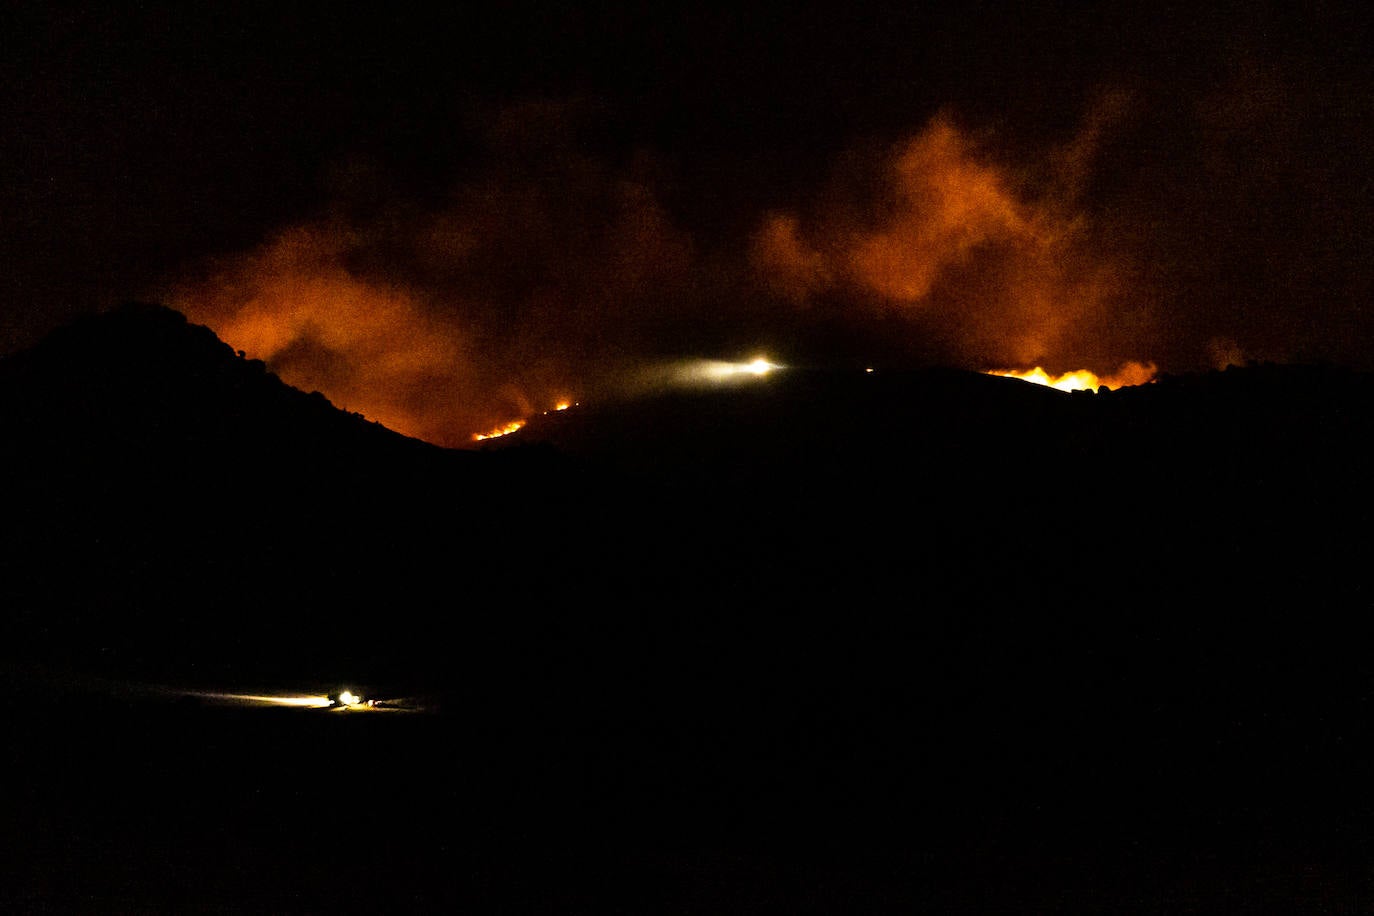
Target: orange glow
(500, 431)
(370, 345)
(998, 261)
(444, 316)
(1082, 379)
(943, 204)
(553, 273)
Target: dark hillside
(963, 621)
(172, 501)
(172, 504)
(1207, 485)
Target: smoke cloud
(539, 274)
(548, 273)
(996, 264)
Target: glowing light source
(348, 698)
(305, 702)
(717, 371)
(251, 699)
(722, 370)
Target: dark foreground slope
(172, 505)
(833, 642)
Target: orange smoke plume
(369, 346)
(548, 272)
(997, 263)
(537, 274)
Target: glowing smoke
(550, 274)
(533, 278)
(998, 263)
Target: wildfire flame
(508, 428)
(505, 430)
(1082, 379)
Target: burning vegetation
(503, 430)
(1082, 379)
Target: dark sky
(441, 218)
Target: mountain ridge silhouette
(136, 435)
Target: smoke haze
(553, 274)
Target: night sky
(445, 219)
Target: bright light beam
(250, 699)
(715, 371)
